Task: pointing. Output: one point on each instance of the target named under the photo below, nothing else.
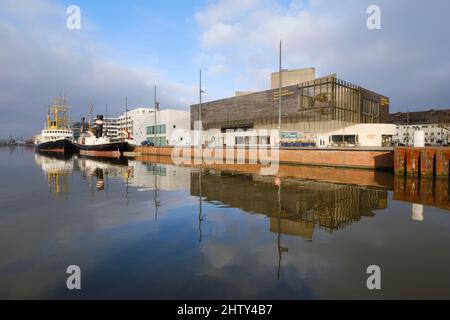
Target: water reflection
(293, 207)
(219, 234)
(421, 193)
(58, 170)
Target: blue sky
(126, 47)
(160, 33)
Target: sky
(125, 48)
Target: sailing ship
(57, 137)
(95, 143)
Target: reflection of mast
(127, 187)
(155, 199)
(200, 212)
(281, 249)
(91, 188)
(107, 183)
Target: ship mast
(91, 107)
(57, 114)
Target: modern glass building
(318, 106)
(160, 133)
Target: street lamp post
(200, 108)
(280, 78)
(154, 127)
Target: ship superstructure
(57, 136)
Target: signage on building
(295, 136)
(384, 101)
(291, 135)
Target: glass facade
(331, 99)
(161, 129)
(370, 111)
(160, 132)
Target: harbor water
(147, 229)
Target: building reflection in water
(295, 207)
(421, 193)
(303, 206)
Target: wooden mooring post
(425, 162)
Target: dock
(425, 162)
(355, 158)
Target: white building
(365, 135)
(434, 123)
(172, 127)
(146, 176)
(112, 129)
(136, 121)
(435, 134)
(360, 135)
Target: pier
(425, 162)
(356, 158)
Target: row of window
(426, 133)
(423, 127)
(54, 138)
(53, 131)
(156, 129)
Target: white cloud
(217, 70)
(41, 58)
(332, 36)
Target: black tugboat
(93, 143)
(57, 137)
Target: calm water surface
(213, 235)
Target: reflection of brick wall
(428, 192)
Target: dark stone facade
(262, 107)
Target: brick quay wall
(371, 159)
(426, 162)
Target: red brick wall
(334, 158)
(426, 161)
